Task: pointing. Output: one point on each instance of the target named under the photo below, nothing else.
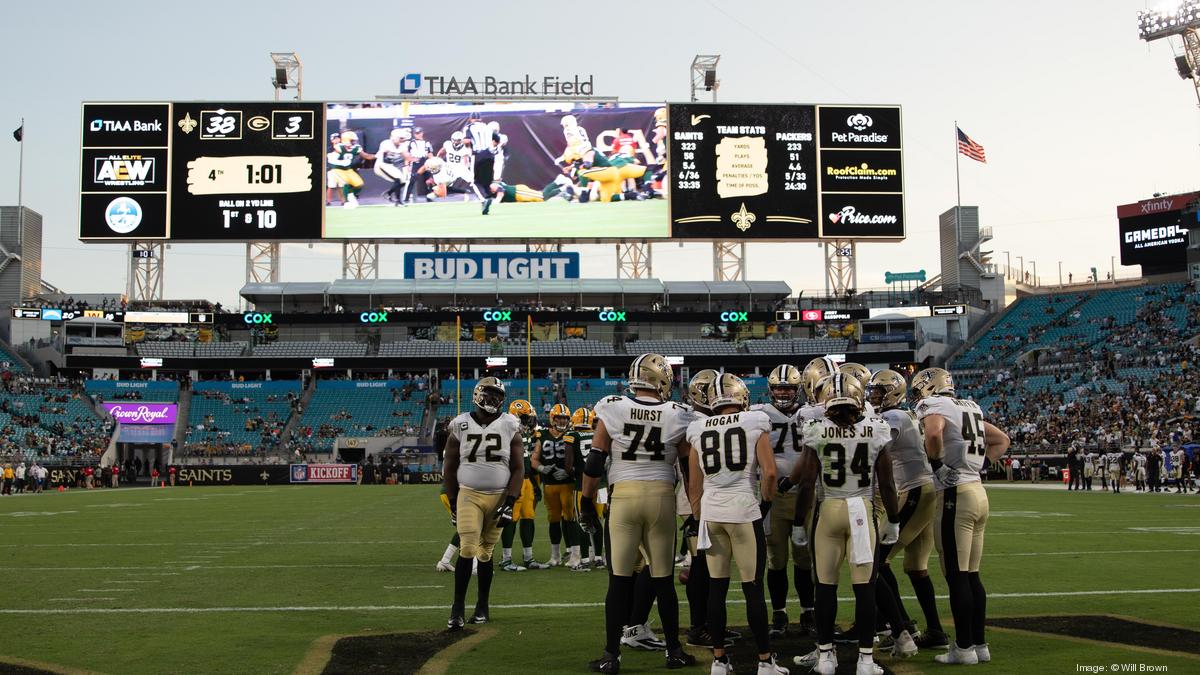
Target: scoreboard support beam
(262, 262)
(1191, 47)
(729, 261)
(146, 270)
(633, 261)
(452, 248)
(360, 260)
(841, 267)
(543, 248)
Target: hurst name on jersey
(483, 451)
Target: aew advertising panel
(785, 172)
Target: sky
(1077, 114)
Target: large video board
(1154, 232)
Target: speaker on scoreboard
(710, 79)
(281, 80)
(1184, 68)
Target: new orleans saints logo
(743, 218)
(187, 124)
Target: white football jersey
(910, 463)
(785, 436)
(391, 153)
(847, 454)
(963, 447)
(577, 138)
(645, 437)
(724, 447)
(483, 451)
(462, 157)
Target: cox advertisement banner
(525, 266)
(138, 412)
(323, 473)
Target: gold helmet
(887, 389)
(660, 116)
(698, 387)
(822, 366)
(488, 395)
(726, 390)
(784, 385)
(583, 419)
(522, 410)
(931, 382)
(841, 390)
(560, 417)
(858, 371)
(651, 371)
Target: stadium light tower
(1181, 18)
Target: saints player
(642, 434)
(1139, 471)
(531, 494)
(784, 386)
(345, 156)
(888, 391)
(698, 577)
(391, 165)
(732, 449)
(483, 472)
(458, 169)
(579, 443)
(959, 443)
(551, 460)
(1114, 470)
(847, 454)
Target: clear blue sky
(1076, 113)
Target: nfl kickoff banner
(524, 266)
(323, 473)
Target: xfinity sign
(520, 266)
(417, 85)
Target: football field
(265, 579)
(555, 219)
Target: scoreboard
(785, 172)
(202, 171)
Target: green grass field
(533, 220)
(244, 580)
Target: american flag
(970, 148)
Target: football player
(784, 386)
(579, 443)
(1139, 471)
(698, 577)
(483, 473)
(503, 193)
(332, 182)
(816, 370)
(446, 564)
(418, 152)
(346, 155)
(531, 494)
(1114, 470)
(888, 391)
(391, 165)
(458, 172)
(578, 143)
(959, 443)
(732, 449)
(847, 453)
(551, 459)
(642, 434)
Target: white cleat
(826, 663)
(555, 562)
(642, 637)
(808, 660)
(983, 653)
(771, 667)
(868, 668)
(966, 657)
(904, 646)
(351, 201)
(444, 566)
(721, 668)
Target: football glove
(945, 475)
(504, 514)
(537, 494)
(453, 514)
(799, 535)
(889, 533)
(690, 527)
(589, 520)
(545, 469)
(561, 474)
(785, 484)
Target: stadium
(452, 436)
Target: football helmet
(523, 410)
(456, 139)
(784, 385)
(568, 121)
(858, 371)
(560, 417)
(697, 389)
(651, 371)
(820, 367)
(660, 116)
(349, 137)
(887, 389)
(727, 390)
(931, 382)
(583, 419)
(841, 389)
(433, 164)
(488, 395)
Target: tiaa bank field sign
(525, 266)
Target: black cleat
(487, 205)
(456, 621)
(846, 637)
(731, 635)
(481, 615)
(779, 622)
(679, 659)
(700, 637)
(933, 639)
(808, 621)
(607, 663)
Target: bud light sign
(142, 413)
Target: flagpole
(21, 168)
(957, 181)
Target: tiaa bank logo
(410, 83)
(123, 215)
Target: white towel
(703, 543)
(602, 496)
(862, 550)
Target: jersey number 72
(493, 446)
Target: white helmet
(568, 121)
(456, 139)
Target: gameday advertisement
(437, 171)
(1154, 232)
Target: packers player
(959, 443)
(579, 443)
(446, 564)
(731, 447)
(551, 460)
(345, 156)
(503, 193)
(642, 434)
(531, 494)
(847, 454)
(483, 473)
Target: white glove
(545, 469)
(561, 474)
(945, 475)
(799, 535)
(889, 533)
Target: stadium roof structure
(365, 293)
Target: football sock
(506, 556)
(486, 570)
(886, 574)
(864, 615)
(584, 543)
(777, 586)
(643, 598)
(507, 535)
(887, 602)
(528, 551)
(617, 606)
(866, 655)
(574, 553)
(450, 551)
(804, 587)
(826, 612)
(455, 541)
(462, 579)
(555, 537)
(923, 586)
(668, 610)
(961, 606)
(979, 611)
(756, 615)
(598, 544)
(697, 590)
(569, 533)
(527, 529)
(555, 553)
(718, 590)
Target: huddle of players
(1108, 466)
(844, 461)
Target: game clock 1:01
(246, 171)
